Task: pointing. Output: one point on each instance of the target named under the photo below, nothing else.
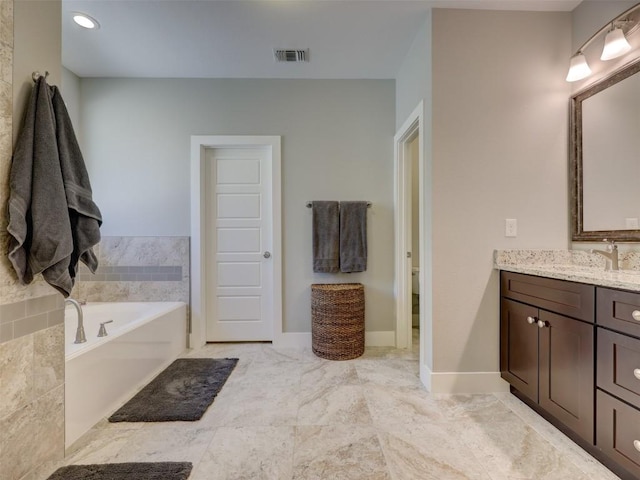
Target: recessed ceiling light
(85, 21)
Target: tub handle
(103, 331)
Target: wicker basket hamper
(337, 320)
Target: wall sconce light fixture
(615, 43)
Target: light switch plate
(511, 227)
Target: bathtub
(104, 372)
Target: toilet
(415, 297)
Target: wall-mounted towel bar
(310, 204)
(37, 75)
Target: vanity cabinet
(618, 377)
(547, 346)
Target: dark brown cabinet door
(618, 432)
(566, 388)
(519, 347)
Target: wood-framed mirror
(604, 156)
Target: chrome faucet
(611, 254)
(80, 336)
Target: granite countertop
(573, 265)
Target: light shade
(615, 45)
(578, 68)
(85, 21)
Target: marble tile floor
(289, 415)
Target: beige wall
(31, 318)
(499, 151)
(38, 47)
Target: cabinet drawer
(567, 298)
(619, 310)
(618, 432)
(619, 365)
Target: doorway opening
(409, 230)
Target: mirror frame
(578, 234)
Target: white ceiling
(235, 38)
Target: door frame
(199, 145)
(412, 127)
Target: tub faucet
(102, 332)
(611, 254)
(80, 336)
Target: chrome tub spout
(80, 336)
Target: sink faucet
(80, 336)
(611, 254)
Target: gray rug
(182, 392)
(125, 471)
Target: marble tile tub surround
(574, 265)
(31, 402)
(286, 414)
(137, 269)
(30, 316)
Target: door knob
(266, 254)
(531, 320)
(636, 373)
(542, 324)
(636, 444)
(636, 315)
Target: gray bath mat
(182, 392)
(125, 471)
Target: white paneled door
(239, 239)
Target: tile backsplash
(628, 260)
(137, 269)
(170, 273)
(30, 316)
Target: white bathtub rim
(97, 341)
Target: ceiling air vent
(283, 55)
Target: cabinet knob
(636, 445)
(636, 373)
(542, 324)
(531, 320)
(636, 315)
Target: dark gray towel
(353, 237)
(326, 237)
(53, 221)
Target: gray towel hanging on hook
(53, 221)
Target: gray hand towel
(326, 236)
(52, 220)
(353, 237)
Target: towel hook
(36, 75)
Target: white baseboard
(463, 382)
(303, 339)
